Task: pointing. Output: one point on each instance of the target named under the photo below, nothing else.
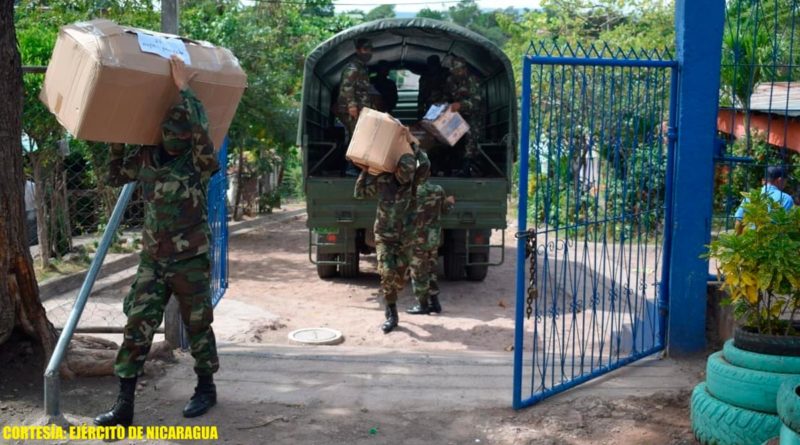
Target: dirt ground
(270, 274)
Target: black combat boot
(391, 318)
(419, 309)
(435, 307)
(205, 396)
(122, 412)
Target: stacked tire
(789, 412)
(738, 402)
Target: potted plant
(760, 271)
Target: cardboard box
(378, 142)
(447, 126)
(113, 83)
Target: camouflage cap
(176, 130)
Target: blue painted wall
(698, 32)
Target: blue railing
(218, 220)
(595, 183)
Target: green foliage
(759, 267)
(428, 13)
(758, 45)
(380, 12)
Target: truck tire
(326, 270)
(350, 268)
(454, 266)
(478, 273)
(715, 422)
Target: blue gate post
(698, 32)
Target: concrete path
(381, 379)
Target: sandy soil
(274, 289)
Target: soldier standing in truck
(463, 94)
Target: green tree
(380, 12)
(428, 13)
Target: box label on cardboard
(435, 111)
(163, 46)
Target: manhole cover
(317, 336)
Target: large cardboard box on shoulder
(378, 142)
(112, 83)
(447, 126)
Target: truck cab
(340, 227)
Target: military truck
(340, 227)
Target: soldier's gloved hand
(455, 107)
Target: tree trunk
(19, 291)
(239, 175)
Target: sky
(416, 5)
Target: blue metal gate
(218, 220)
(595, 179)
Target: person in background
(775, 183)
(431, 85)
(175, 256)
(386, 87)
(463, 94)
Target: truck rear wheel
(478, 272)
(326, 270)
(350, 268)
(454, 265)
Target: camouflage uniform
(393, 219)
(427, 238)
(353, 92)
(175, 238)
(463, 87)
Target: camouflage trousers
(189, 281)
(423, 274)
(393, 262)
(471, 139)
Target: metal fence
(594, 186)
(759, 101)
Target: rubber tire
(761, 362)
(767, 344)
(788, 437)
(350, 269)
(454, 266)
(742, 387)
(788, 403)
(325, 271)
(478, 273)
(715, 422)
